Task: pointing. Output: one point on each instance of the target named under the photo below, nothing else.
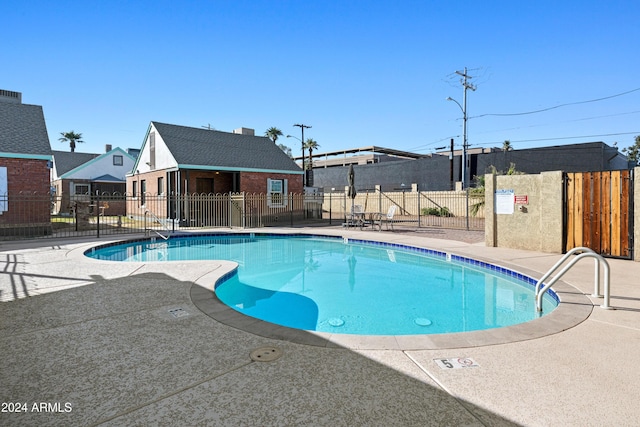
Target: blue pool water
(351, 287)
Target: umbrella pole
(352, 217)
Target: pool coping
(574, 308)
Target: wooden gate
(599, 212)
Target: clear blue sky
(360, 72)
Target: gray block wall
(430, 173)
(433, 173)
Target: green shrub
(436, 211)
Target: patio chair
(386, 219)
(104, 207)
(356, 217)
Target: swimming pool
(341, 286)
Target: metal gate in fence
(599, 212)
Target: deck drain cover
(178, 312)
(266, 354)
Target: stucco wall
(536, 225)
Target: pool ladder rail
(586, 253)
(164, 225)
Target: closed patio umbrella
(351, 179)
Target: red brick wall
(28, 191)
(256, 182)
(154, 202)
(222, 182)
(26, 175)
(250, 182)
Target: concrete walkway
(87, 342)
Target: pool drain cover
(336, 322)
(266, 354)
(421, 321)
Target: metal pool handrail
(587, 253)
(147, 211)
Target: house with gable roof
(25, 158)
(80, 177)
(177, 161)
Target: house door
(204, 185)
(599, 212)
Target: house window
(160, 185)
(276, 192)
(118, 160)
(3, 189)
(80, 189)
(152, 150)
(143, 191)
(135, 189)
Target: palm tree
(72, 138)
(273, 133)
(506, 146)
(311, 145)
(286, 149)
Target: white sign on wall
(504, 201)
(4, 190)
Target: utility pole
(465, 145)
(451, 183)
(302, 128)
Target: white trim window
(4, 189)
(276, 193)
(80, 189)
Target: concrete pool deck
(87, 342)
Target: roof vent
(245, 131)
(10, 96)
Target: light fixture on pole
(295, 137)
(302, 128)
(464, 155)
(465, 163)
(464, 143)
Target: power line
(554, 123)
(557, 106)
(568, 137)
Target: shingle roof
(108, 178)
(66, 160)
(211, 148)
(23, 130)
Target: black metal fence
(442, 209)
(41, 216)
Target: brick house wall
(155, 204)
(256, 182)
(28, 192)
(154, 199)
